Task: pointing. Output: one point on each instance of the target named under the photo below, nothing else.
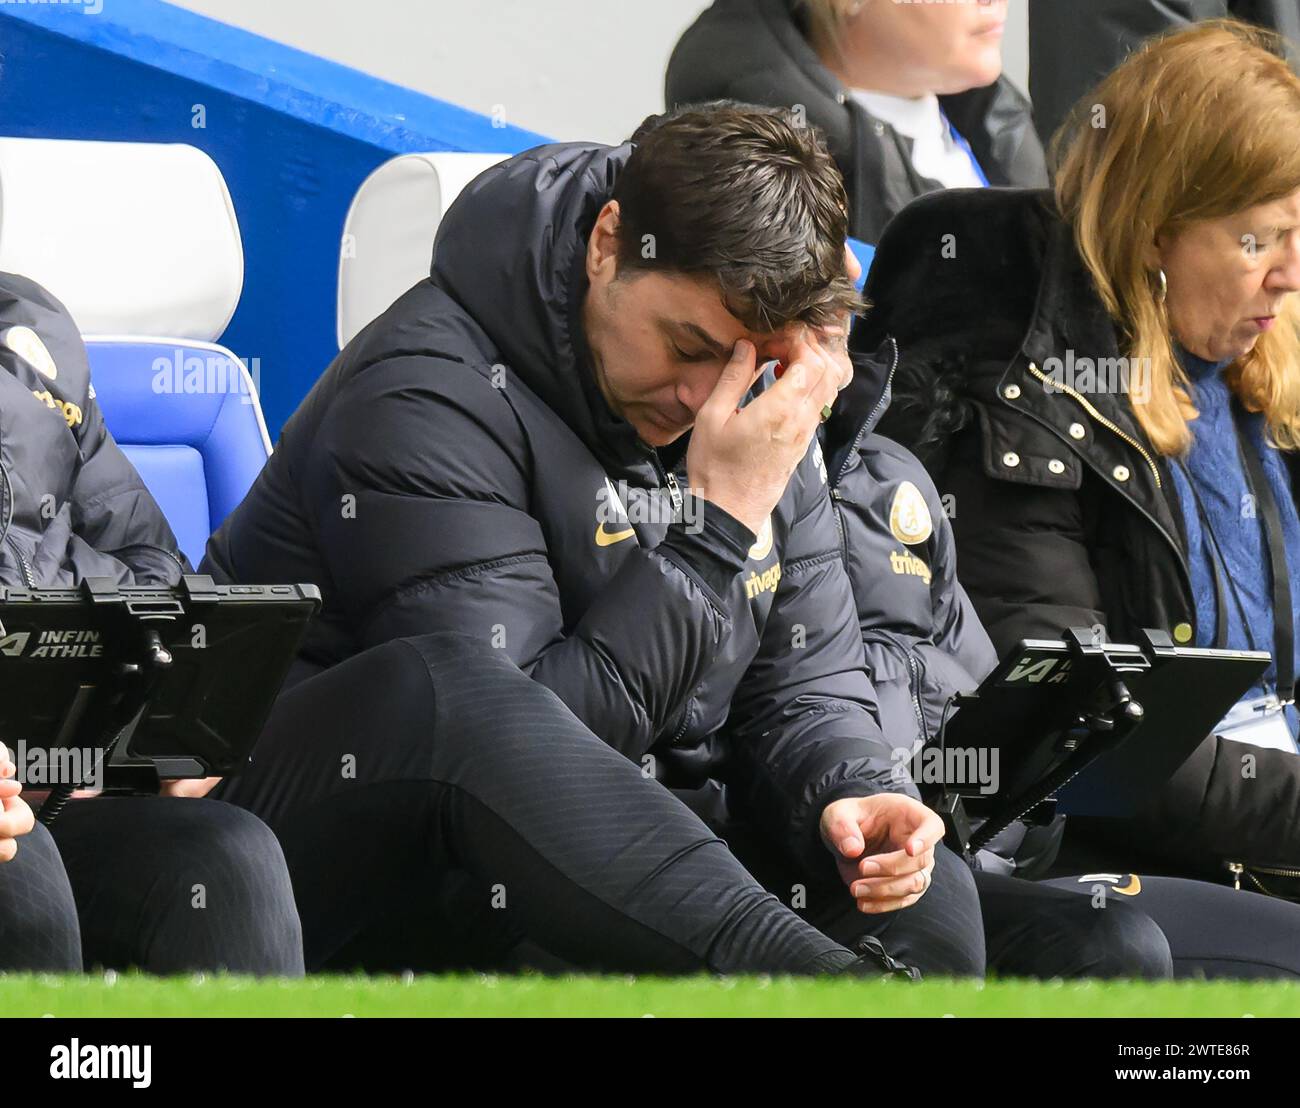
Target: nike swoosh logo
(1133, 887)
(609, 538)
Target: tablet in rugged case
(231, 647)
(1185, 696)
(1030, 710)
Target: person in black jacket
(115, 882)
(565, 557)
(925, 646)
(911, 97)
(1077, 372)
(923, 638)
(1072, 46)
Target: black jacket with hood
(448, 473)
(71, 505)
(1064, 511)
(755, 51)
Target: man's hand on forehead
(814, 346)
(826, 349)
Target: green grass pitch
(472, 995)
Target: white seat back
(388, 237)
(135, 238)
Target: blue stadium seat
(187, 415)
(151, 268)
(865, 253)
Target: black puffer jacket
(1074, 44)
(71, 505)
(1064, 511)
(449, 472)
(755, 51)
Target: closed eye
(698, 356)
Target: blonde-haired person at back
(911, 97)
(1107, 382)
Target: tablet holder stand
(1104, 721)
(102, 717)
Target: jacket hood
(511, 252)
(957, 317)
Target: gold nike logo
(1133, 887)
(609, 538)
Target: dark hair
(748, 196)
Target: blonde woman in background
(911, 96)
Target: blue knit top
(1215, 468)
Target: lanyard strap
(960, 140)
(1283, 613)
(1217, 562)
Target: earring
(1164, 287)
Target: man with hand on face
(573, 549)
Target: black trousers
(38, 915)
(158, 884)
(439, 809)
(1213, 931)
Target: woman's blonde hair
(1199, 124)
